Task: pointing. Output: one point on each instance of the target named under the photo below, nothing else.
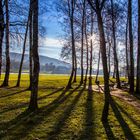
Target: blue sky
(51, 44)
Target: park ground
(73, 114)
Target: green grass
(63, 115)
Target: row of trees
(32, 23)
(110, 22)
(113, 23)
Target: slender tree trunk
(104, 61)
(75, 69)
(131, 47)
(71, 16)
(126, 51)
(1, 34)
(30, 51)
(91, 46)
(82, 42)
(109, 56)
(114, 73)
(23, 53)
(114, 48)
(138, 56)
(6, 79)
(98, 66)
(87, 52)
(34, 92)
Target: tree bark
(98, 66)
(71, 16)
(138, 55)
(30, 51)
(34, 92)
(6, 79)
(87, 52)
(131, 47)
(91, 46)
(114, 48)
(1, 33)
(126, 52)
(82, 42)
(104, 61)
(23, 53)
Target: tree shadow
(128, 115)
(64, 117)
(88, 132)
(108, 131)
(29, 123)
(8, 95)
(125, 127)
(26, 104)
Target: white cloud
(51, 42)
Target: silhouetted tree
(97, 6)
(1, 32)
(138, 55)
(131, 46)
(36, 67)
(7, 72)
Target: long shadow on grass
(88, 132)
(11, 94)
(108, 131)
(125, 127)
(128, 115)
(29, 123)
(65, 116)
(21, 105)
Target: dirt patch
(121, 94)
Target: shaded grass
(63, 114)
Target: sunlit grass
(74, 114)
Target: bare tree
(71, 9)
(6, 79)
(138, 55)
(131, 46)
(1, 32)
(23, 53)
(98, 9)
(116, 65)
(34, 92)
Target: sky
(51, 44)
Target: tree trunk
(109, 55)
(75, 69)
(138, 56)
(91, 46)
(131, 47)
(82, 42)
(6, 79)
(105, 68)
(71, 16)
(34, 92)
(98, 67)
(87, 56)
(1, 34)
(126, 51)
(30, 51)
(23, 53)
(114, 48)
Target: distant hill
(47, 64)
(43, 60)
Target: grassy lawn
(63, 115)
